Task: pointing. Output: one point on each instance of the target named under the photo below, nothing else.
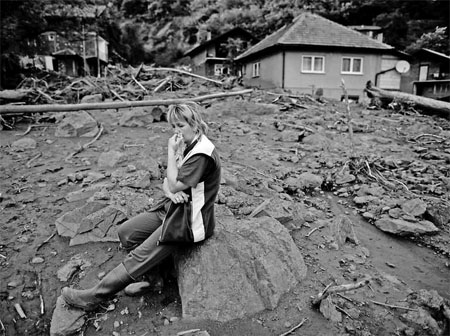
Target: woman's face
(183, 128)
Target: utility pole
(96, 42)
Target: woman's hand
(175, 142)
(179, 197)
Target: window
(315, 64)
(351, 65)
(255, 69)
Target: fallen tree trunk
(18, 109)
(438, 106)
(184, 73)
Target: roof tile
(312, 29)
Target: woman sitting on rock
(191, 184)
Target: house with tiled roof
(315, 54)
(212, 57)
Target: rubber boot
(89, 299)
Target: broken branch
(86, 145)
(392, 306)
(185, 73)
(340, 288)
(295, 328)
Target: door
(423, 72)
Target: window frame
(352, 59)
(256, 69)
(313, 57)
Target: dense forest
(160, 31)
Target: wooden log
(18, 109)
(183, 72)
(438, 106)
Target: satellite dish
(402, 67)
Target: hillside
(161, 31)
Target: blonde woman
(193, 179)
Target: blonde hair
(190, 113)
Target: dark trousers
(140, 234)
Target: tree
(436, 40)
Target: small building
(314, 54)
(213, 58)
(63, 50)
(429, 75)
(68, 62)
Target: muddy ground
(256, 149)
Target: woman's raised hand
(175, 141)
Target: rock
(75, 263)
(77, 124)
(66, 321)
(37, 260)
(414, 207)
(342, 231)
(137, 117)
(137, 288)
(423, 322)
(370, 190)
(405, 228)
(329, 311)
(139, 179)
(439, 214)
(346, 178)
(361, 200)
(290, 136)
(85, 193)
(243, 269)
(151, 165)
(304, 181)
(94, 98)
(93, 222)
(430, 299)
(23, 144)
(111, 159)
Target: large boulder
(402, 227)
(243, 269)
(77, 124)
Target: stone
(94, 98)
(23, 144)
(243, 269)
(361, 200)
(402, 227)
(111, 159)
(151, 165)
(346, 178)
(423, 322)
(137, 117)
(93, 222)
(65, 320)
(439, 214)
(414, 207)
(77, 124)
(304, 181)
(329, 311)
(137, 288)
(75, 263)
